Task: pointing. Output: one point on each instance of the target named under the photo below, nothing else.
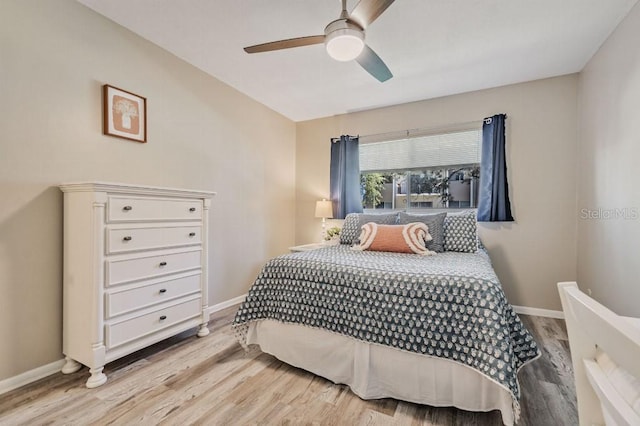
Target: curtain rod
(400, 134)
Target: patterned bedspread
(450, 305)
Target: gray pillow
(350, 229)
(460, 232)
(350, 233)
(435, 222)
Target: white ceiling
(433, 47)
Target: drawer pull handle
(127, 208)
(163, 317)
(163, 290)
(127, 238)
(163, 263)
(192, 209)
(192, 234)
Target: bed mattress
(448, 307)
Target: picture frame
(124, 114)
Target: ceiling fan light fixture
(344, 44)
(343, 38)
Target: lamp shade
(324, 209)
(344, 44)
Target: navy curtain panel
(345, 176)
(493, 196)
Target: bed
(434, 330)
(605, 352)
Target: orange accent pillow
(409, 238)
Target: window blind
(422, 152)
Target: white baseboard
(38, 373)
(222, 305)
(548, 313)
(538, 312)
(518, 309)
(27, 377)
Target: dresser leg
(98, 378)
(70, 366)
(204, 330)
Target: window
(436, 171)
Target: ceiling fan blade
(372, 63)
(367, 11)
(285, 44)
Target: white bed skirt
(375, 371)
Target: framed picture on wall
(125, 114)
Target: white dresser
(135, 270)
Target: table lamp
(324, 210)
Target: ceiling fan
(343, 38)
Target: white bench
(605, 350)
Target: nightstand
(307, 247)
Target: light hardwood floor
(211, 381)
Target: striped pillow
(409, 238)
(354, 221)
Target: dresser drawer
(132, 209)
(131, 239)
(125, 301)
(134, 269)
(135, 328)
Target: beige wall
(530, 255)
(54, 58)
(608, 153)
